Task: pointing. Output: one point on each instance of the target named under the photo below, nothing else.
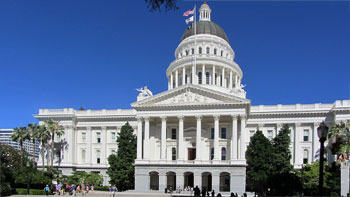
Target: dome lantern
(204, 12)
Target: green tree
(339, 136)
(19, 135)
(43, 136)
(55, 129)
(121, 170)
(258, 156)
(33, 132)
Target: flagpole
(195, 42)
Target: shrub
(21, 191)
(101, 188)
(5, 189)
(37, 192)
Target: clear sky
(94, 54)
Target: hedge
(22, 191)
(103, 188)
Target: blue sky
(94, 54)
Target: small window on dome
(208, 50)
(207, 77)
(214, 51)
(222, 53)
(192, 51)
(200, 50)
(200, 77)
(187, 52)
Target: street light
(28, 165)
(322, 132)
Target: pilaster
(198, 138)
(216, 138)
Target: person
(111, 191)
(197, 191)
(213, 193)
(114, 189)
(47, 190)
(204, 191)
(73, 190)
(219, 195)
(92, 188)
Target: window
(306, 156)
(214, 51)
(58, 156)
(251, 132)
(306, 135)
(98, 156)
(223, 133)
(200, 50)
(173, 134)
(113, 136)
(186, 79)
(222, 53)
(211, 153)
(173, 154)
(187, 52)
(192, 51)
(269, 134)
(207, 77)
(216, 76)
(200, 77)
(221, 79)
(208, 50)
(113, 151)
(83, 152)
(223, 153)
(98, 134)
(83, 137)
(212, 133)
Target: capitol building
(196, 132)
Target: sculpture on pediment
(144, 93)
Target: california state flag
(189, 20)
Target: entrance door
(191, 154)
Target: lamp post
(322, 132)
(28, 165)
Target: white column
(223, 77)
(243, 143)
(104, 142)
(180, 147)
(183, 76)
(315, 141)
(180, 179)
(213, 78)
(163, 139)
(194, 79)
(176, 78)
(278, 128)
(234, 140)
(216, 138)
(203, 74)
(198, 137)
(139, 138)
(197, 179)
(89, 146)
(162, 181)
(230, 86)
(171, 81)
(215, 177)
(236, 81)
(146, 140)
(297, 149)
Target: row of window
(200, 51)
(98, 155)
(223, 133)
(218, 81)
(270, 134)
(98, 137)
(223, 154)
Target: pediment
(190, 95)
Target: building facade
(5, 138)
(196, 132)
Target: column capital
(139, 118)
(164, 118)
(103, 128)
(234, 116)
(297, 124)
(279, 124)
(89, 128)
(316, 124)
(198, 117)
(216, 117)
(146, 118)
(243, 117)
(181, 118)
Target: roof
(205, 27)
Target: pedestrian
(197, 191)
(219, 195)
(47, 190)
(73, 190)
(204, 191)
(92, 188)
(111, 191)
(213, 193)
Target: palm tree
(33, 131)
(55, 129)
(19, 135)
(43, 136)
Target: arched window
(223, 133)
(214, 51)
(207, 77)
(222, 53)
(187, 52)
(211, 153)
(192, 51)
(223, 153)
(221, 79)
(306, 156)
(208, 50)
(200, 50)
(173, 153)
(186, 79)
(216, 76)
(200, 77)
